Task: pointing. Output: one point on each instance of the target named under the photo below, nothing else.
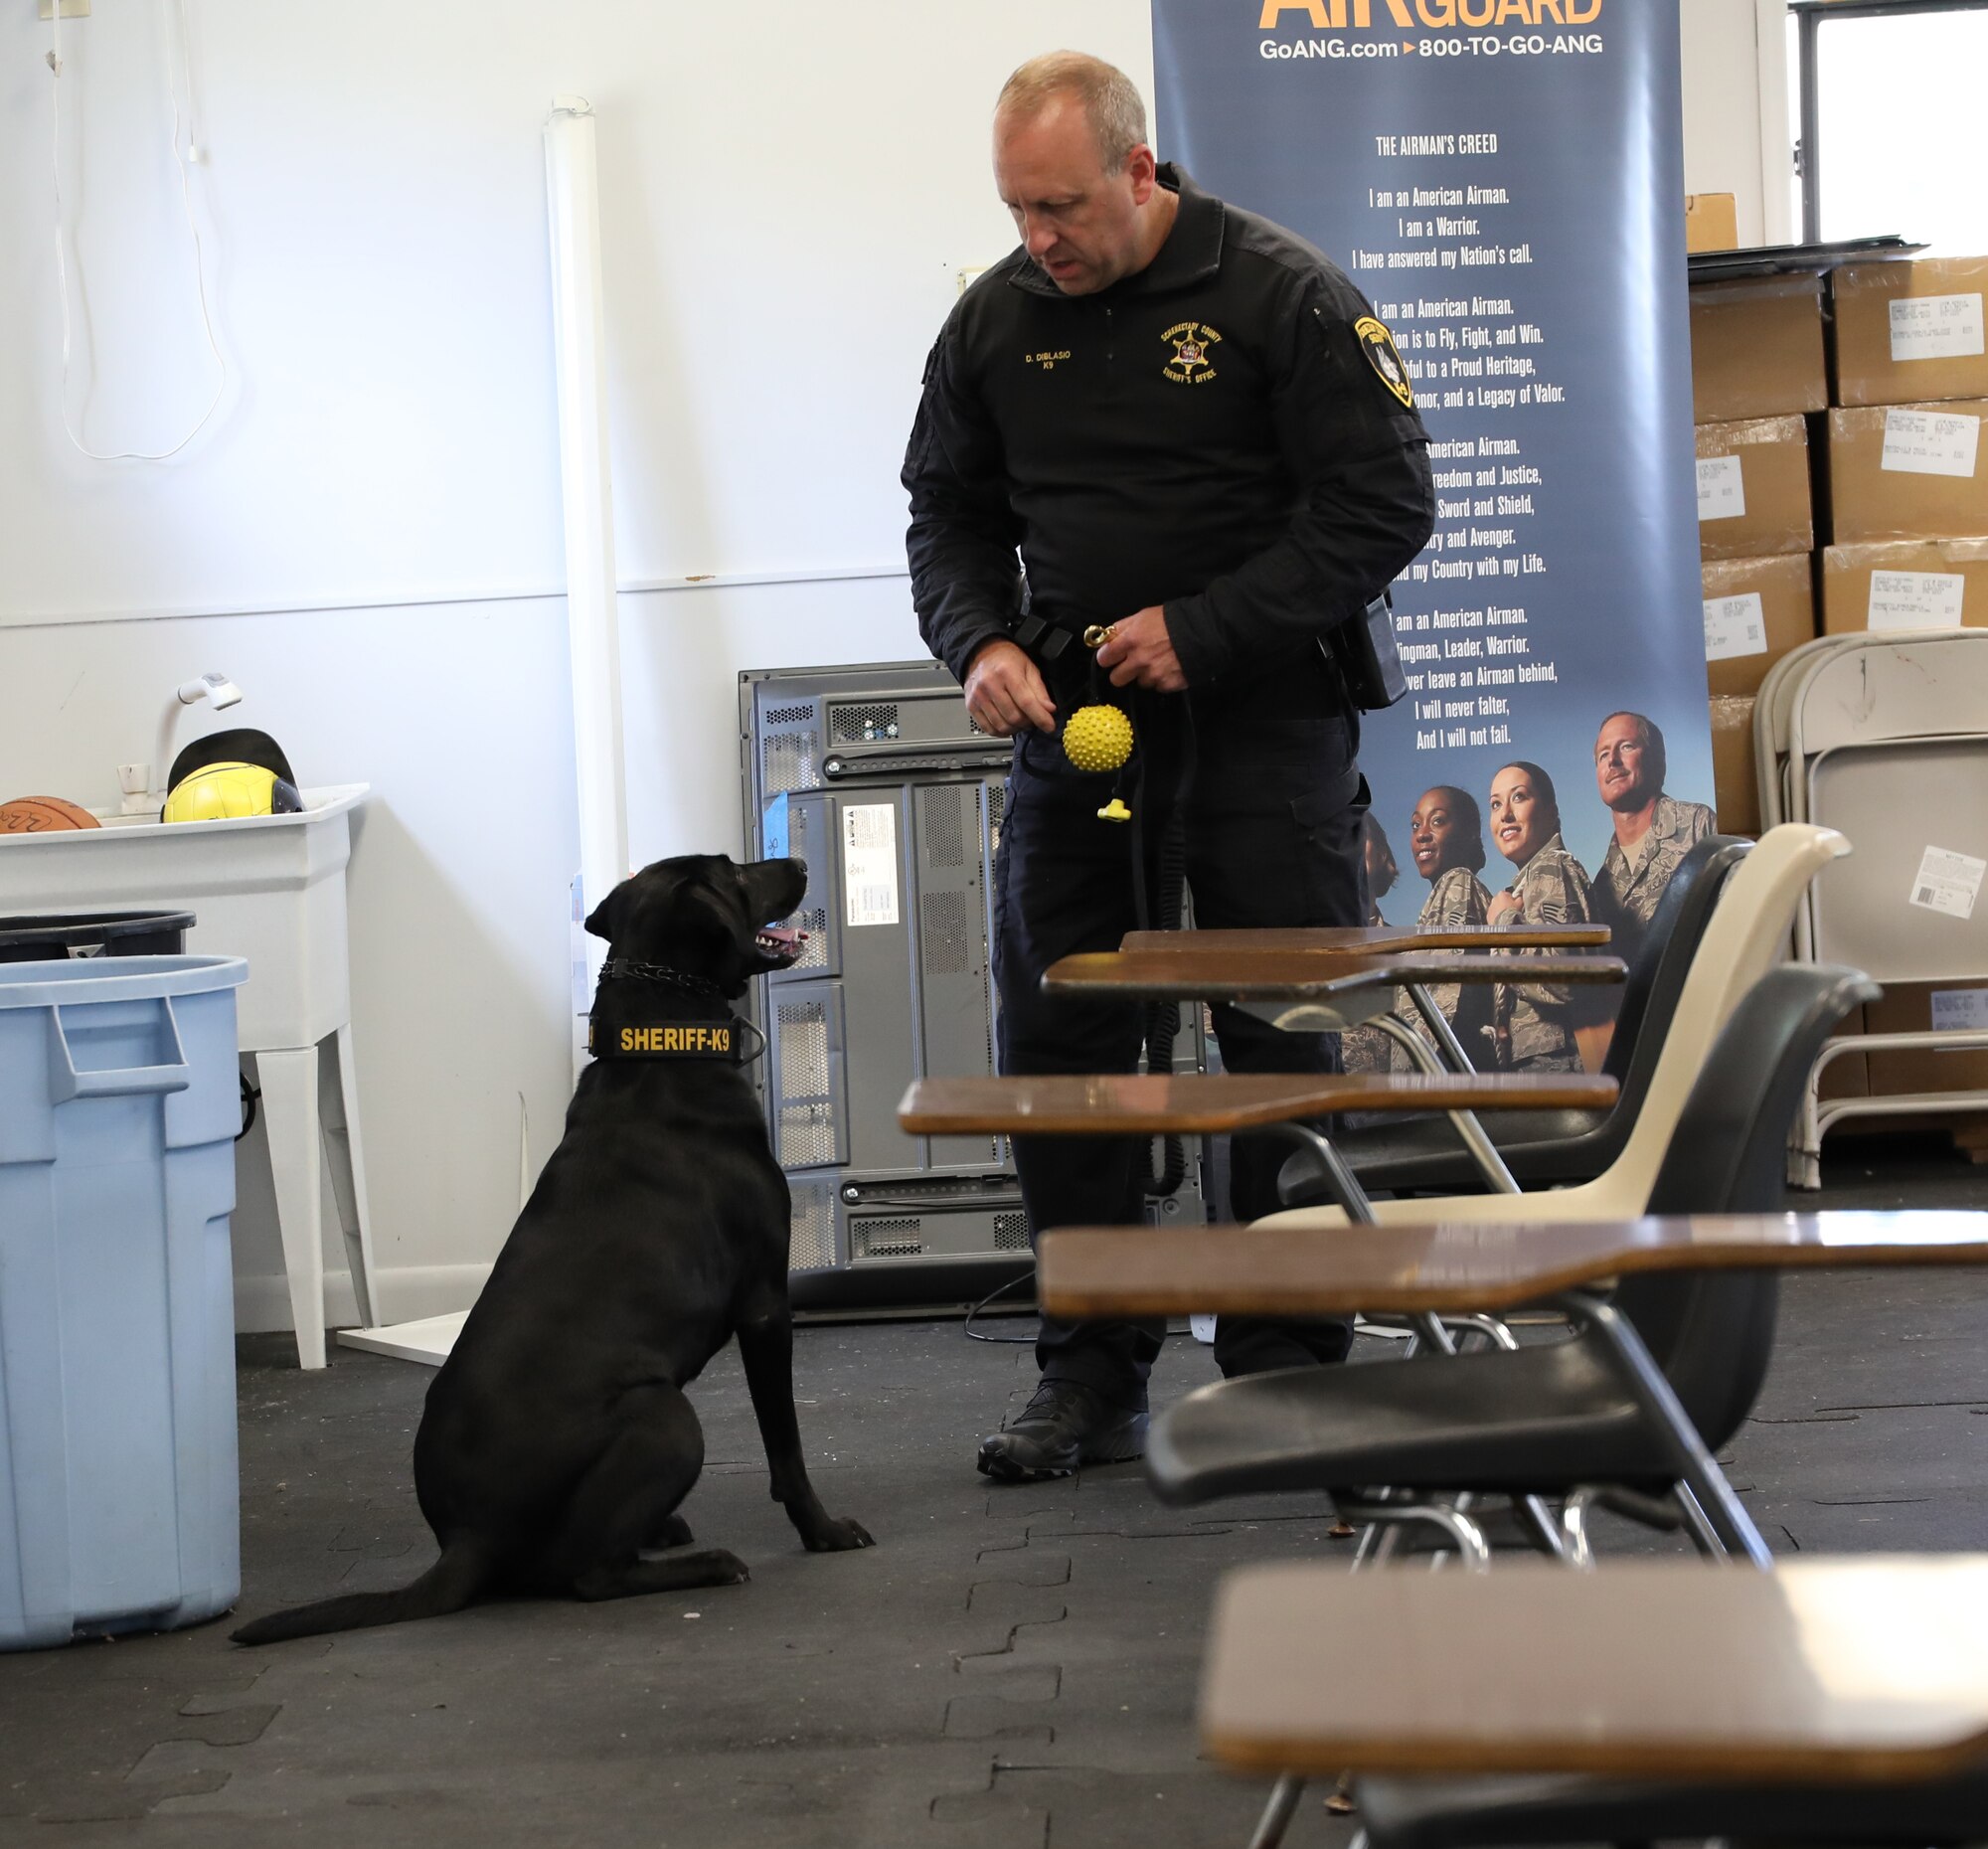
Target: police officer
(1190, 427)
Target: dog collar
(631, 969)
(721, 1038)
(625, 1023)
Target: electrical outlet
(71, 9)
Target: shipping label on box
(1959, 1011)
(1735, 626)
(1722, 492)
(1915, 600)
(1935, 327)
(1930, 442)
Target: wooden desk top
(1457, 1265)
(1297, 975)
(1360, 940)
(1846, 1669)
(1195, 1104)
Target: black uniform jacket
(1211, 434)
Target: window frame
(1809, 17)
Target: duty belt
(1047, 635)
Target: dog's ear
(606, 919)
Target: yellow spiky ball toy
(1097, 737)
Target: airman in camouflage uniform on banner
(1367, 1049)
(1653, 831)
(1534, 1026)
(1446, 838)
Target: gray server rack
(875, 778)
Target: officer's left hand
(1141, 653)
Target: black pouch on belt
(1363, 649)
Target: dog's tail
(456, 1580)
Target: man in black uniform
(1191, 427)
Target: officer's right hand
(1005, 692)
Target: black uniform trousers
(1272, 803)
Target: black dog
(557, 1441)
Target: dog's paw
(675, 1533)
(839, 1536)
(727, 1569)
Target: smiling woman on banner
(1534, 1027)
(1446, 838)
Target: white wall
(1735, 135)
(787, 194)
(366, 536)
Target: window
(1891, 105)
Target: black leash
(1163, 1018)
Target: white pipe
(593, 636)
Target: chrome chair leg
(1580, 1552)
(1464, 1531)
(1704, 1535)
(1278, 1812)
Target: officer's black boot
(1066, 1425)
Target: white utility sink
(272, 889)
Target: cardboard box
(1909, 333)
(1735, 794)
(1756, 611)
(1711, 222)
(1907, 585)
(1908, 471)
(1908, 1008)
(1756, 349)
(1752, 488)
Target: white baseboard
(406, 1293)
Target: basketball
(40, 815)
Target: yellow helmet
(229, 790)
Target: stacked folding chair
(1885, 736)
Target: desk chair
(1549, 1148)
(1833, 1701)
(1746, 936)
(1552, 1418)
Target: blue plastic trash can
(119, 1490)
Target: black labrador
(557, 1442)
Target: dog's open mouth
(779, 944)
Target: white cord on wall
(183, 156)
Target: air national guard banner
(1502, 180)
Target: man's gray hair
(1110, 100)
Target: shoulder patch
(1379, 347)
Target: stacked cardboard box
(1759, 372)
(1906, 543)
